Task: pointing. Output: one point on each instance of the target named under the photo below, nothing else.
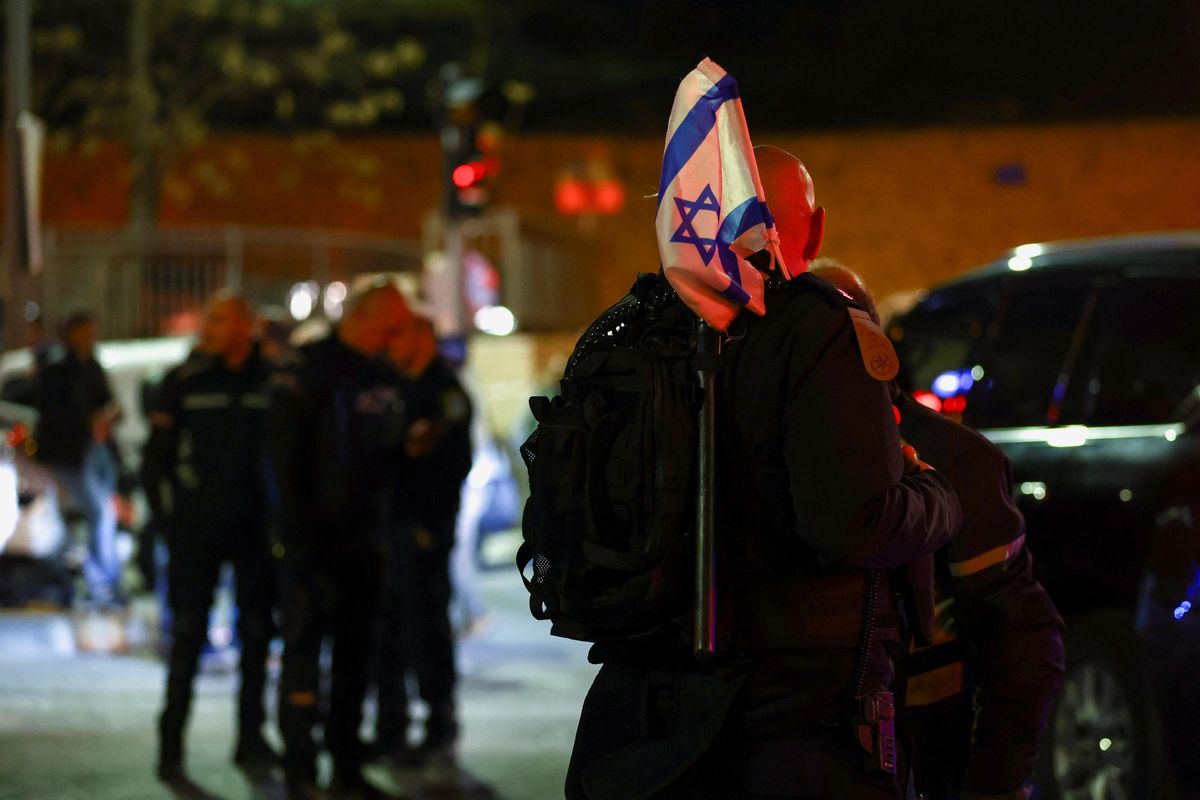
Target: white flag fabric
(711, 209)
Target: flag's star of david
(688, 209)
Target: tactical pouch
(875, 724)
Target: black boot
(303, 789)
(351, 785)
(254, 752)
(170, 751)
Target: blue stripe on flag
(741, 219)
(693, 130)
(768, 220)
(736, 294)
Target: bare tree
(186, 61)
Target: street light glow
(336, 292)
(302, 300)
(496, 320)
(335, 296)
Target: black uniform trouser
(335, 595)
(416, 635)
(192, 572)
(935, 745)
(671, 736)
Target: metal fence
(148, 286)
(144, 286)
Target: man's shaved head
(364, 297)
(228, 327)
(788, 178)
(412, 353)
(792, 200)
(375, 315)
(234, 303)
(848, 281)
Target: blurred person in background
(202, 474)
(76, 412)
(416, 634)
(471, 614)
(985, 662)
(273, 340)
(335, 442)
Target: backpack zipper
(860, 680)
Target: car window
(940, 333)
(1022, 381)
(1142, 360)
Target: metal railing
(148, 286)
(143, 286)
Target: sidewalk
(81, 725)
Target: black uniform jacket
(202, 467)
(68, 392)
(431, 485)
(995, 604)
(334, 444)
(811, 488)
(810, 496)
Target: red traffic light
(571, 197)
(608, 195)
(574, 196)
(468, 174)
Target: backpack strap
(538, 606)
(611, 559)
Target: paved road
(77, 725)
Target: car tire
(1101, 743)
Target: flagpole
(708, 347)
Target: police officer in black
(814, 501)
(416, 634)
(993, 622)
(202, 472)
(335, 443)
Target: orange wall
(908, 208)
(376, 185)
(912, 208)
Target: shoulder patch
(878, 355)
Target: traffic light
(468, 168)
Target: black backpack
(608, 528)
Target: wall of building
(908, 208)
(912, 208)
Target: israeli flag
(711, 209)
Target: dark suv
(1082, 361)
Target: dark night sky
(876, 62)
(613, 67)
